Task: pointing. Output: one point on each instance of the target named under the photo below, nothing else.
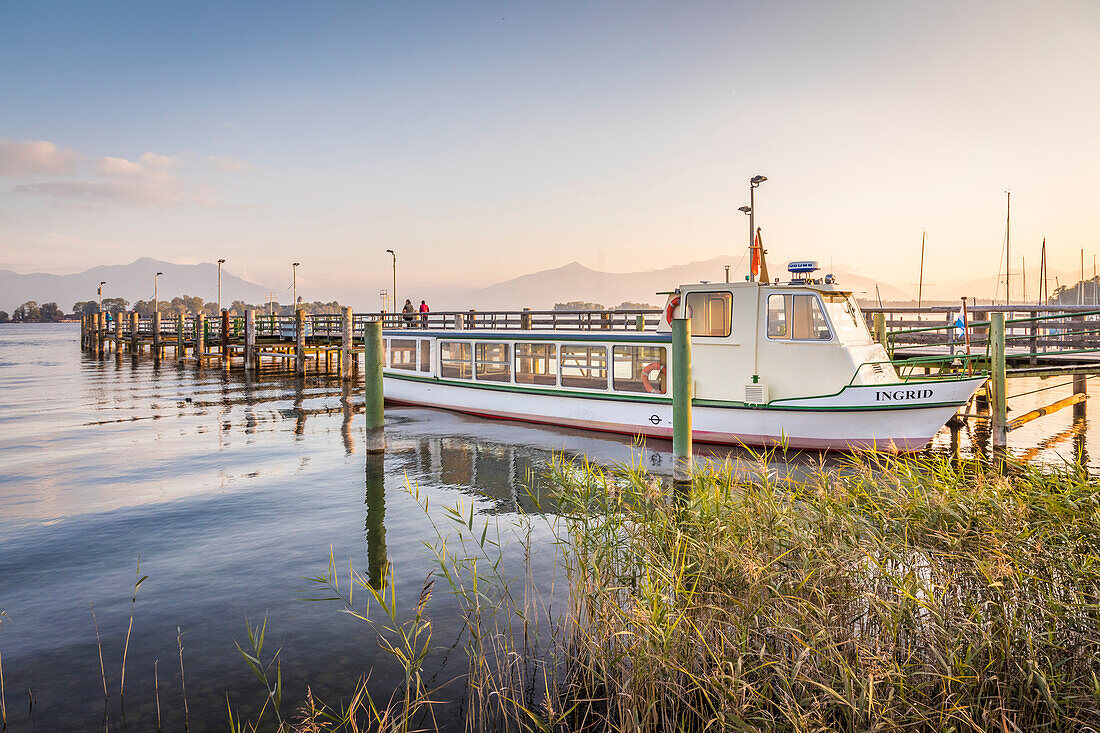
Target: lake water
(231, 489)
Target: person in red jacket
(423, 314)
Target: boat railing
(580, 320)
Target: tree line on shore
(186, 305)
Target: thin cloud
(35, 157)
(228, 163)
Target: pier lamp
(747, 211)
(220, 263)
(754, 183)
(294, 283)
(394, 255)
(99, 292)
(156, 301)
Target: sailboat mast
(1008, 245)
(920, 280)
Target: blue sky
(487, 140)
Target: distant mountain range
(133, 282)
(541, 290)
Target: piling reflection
(375, 525)
(347, 407)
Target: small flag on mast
(760, 264)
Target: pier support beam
(372, 387)
(156, 336)
(84, 332)
(200, 337)
(299, 343)
(225, 339)
(134, 329)
(998, 433)
(1080, 387)
(681, 401)
(118, 333)
(346, 336)
(98, 326)
(181, 330)
(249, 340)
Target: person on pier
(408, 313)
(423, 314)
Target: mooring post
(181, 330)
(460, 322)
(347, 336)
(372, 387)
(639, 322)
(84, 332)
(1033, 340)
(200, 336)
(225, 338)
(681, 401)
(525, 319)
(299, 342)
(1080, 386)
(999, 409)
(249, 340)
(100, 331)
(118, 332)
(880, 330)
(134, 329)
(156, 335)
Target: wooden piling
(225, 338)
(460, 322)
(99, 337)
(346, 336)
(525, 319)
(880, 330)
(134, 332)
(998, 433)
(200, 337)
(299, 343)
(372, 387)
(84, 332)
(639, 322)
(181, 330)
(249, 340)
(681, 400)
(1080, 388)
(118, 332)
(156, 336)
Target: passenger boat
(790, 365)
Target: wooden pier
(1006, 342)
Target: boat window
(845, 316)
(492, 363)
(454, 360)
(425, 355)
(536, 363)
(403, 353)
(797, 317)
(711, 313)
(584, 366)
(639, 369)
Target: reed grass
(924, 594)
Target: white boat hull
(900, 417)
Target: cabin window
(536, 364)
(455, 360)
(493, 364)
(584, 366)
(797, 318)
(639, 369)
(425, 355)
(403, 353)
(845, 317)
(711, 313)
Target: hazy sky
(486, 140)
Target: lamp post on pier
(220, 263)
(99, 292)
(156, 301)
(294, 284)
(394, 292)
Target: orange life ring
(670, 308)
(655, 366)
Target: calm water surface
(231, 490)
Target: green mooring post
(639, 322)
(372, 387)
(181, 333)
(998, 433)
(880, 330)
(681, 401)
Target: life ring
(670, 308)
(648, 369)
